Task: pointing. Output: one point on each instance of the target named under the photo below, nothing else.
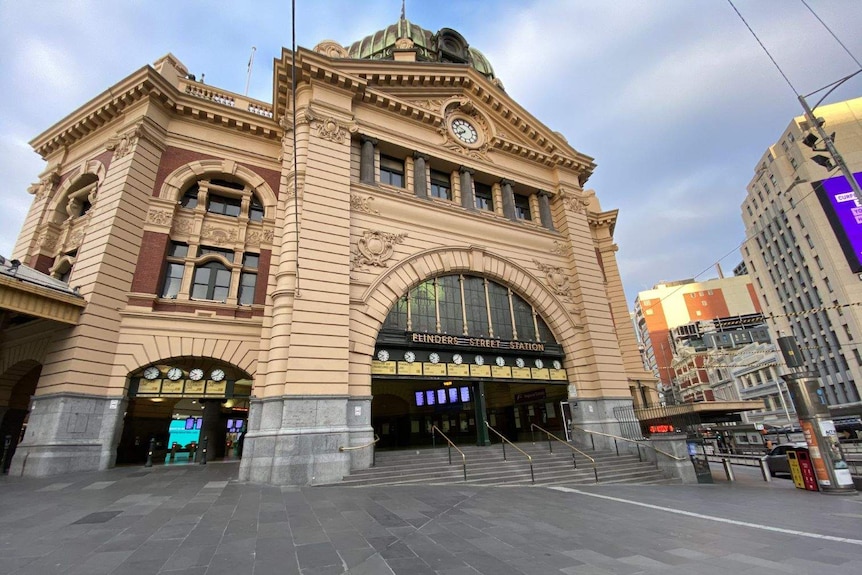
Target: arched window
(469, 306)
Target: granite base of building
(597, 414)
(69, 432)
(301, 440)
(679, 465)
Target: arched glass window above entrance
(465, 305)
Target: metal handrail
(638, 443)
(504, 442)
(451, 446)
(369, 444)
(567, 444)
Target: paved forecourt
(199, 520)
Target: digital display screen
(199, 421)
(844, 212)
(441, 396)
(230, 424)
(465, 394)
(190, 423)
(430, 397)
(453, 395)
(420, 398)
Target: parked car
(776, 459)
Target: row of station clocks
(434, 357)
(176, 373)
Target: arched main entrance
(458, 350)
(16, 388)
(180, 402)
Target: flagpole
(248, 73)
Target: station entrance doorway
(403, 412)
(182, 405)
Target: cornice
(147, 84)
(600, 219)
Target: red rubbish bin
(807, 469)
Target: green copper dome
(446, 45)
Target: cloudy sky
(674, 98)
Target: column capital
(543, 193)
(506, 182)
(466, 170)
(363, 138)
(420, 156)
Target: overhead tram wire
(828, 29)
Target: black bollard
(7, 441)
(149, 462)
(204, 452)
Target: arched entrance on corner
(178, 403)
(458, 350)
(17, 386)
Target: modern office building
(670, 305)
(803, 248)
(390, 246)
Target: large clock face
(175, 373)
(152, 372)
(217, 375)
(464, 131)
(196, 374)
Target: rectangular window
(223, 205)
(522, 208)
(255, 210)
(391, 171)
(441, 185)
(173, 280)
(247, 284)
(484, 197)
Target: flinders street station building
(391, 246)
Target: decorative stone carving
(360, 204)
(45, 185)
(159, 217)
(331, 130)
(404, 44)
(48, 241)
(561, 249)
(123, 144)
(218, 236)
(257, 238)
(75, 239)
(575, 203)
(331, 48)
(375, 248)
(182, 225)
(557, 279)
(435, 105)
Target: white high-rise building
(803, 250)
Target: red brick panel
(151, 263)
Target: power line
(840, 43)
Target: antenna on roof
(248, 72)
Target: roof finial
(403, 10)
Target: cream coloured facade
(317, 267)
(806, 283)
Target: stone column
(366, 161)
(508, 200)
(468, 197)
(545, 210)
(420, 181)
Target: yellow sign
(216, 388)
(558, 374)
(457, 370)
(521, 373)
(383, 368)
(480, 370)
(406, 368)
(169, 386)
(145, 386)
(540, 373)
(434, 368)
(503, 372)
(194, 388)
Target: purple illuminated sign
(845, 214)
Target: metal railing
(504, 442)
(369, 444)
(435, 429)
(617, 446)
(574, 449)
